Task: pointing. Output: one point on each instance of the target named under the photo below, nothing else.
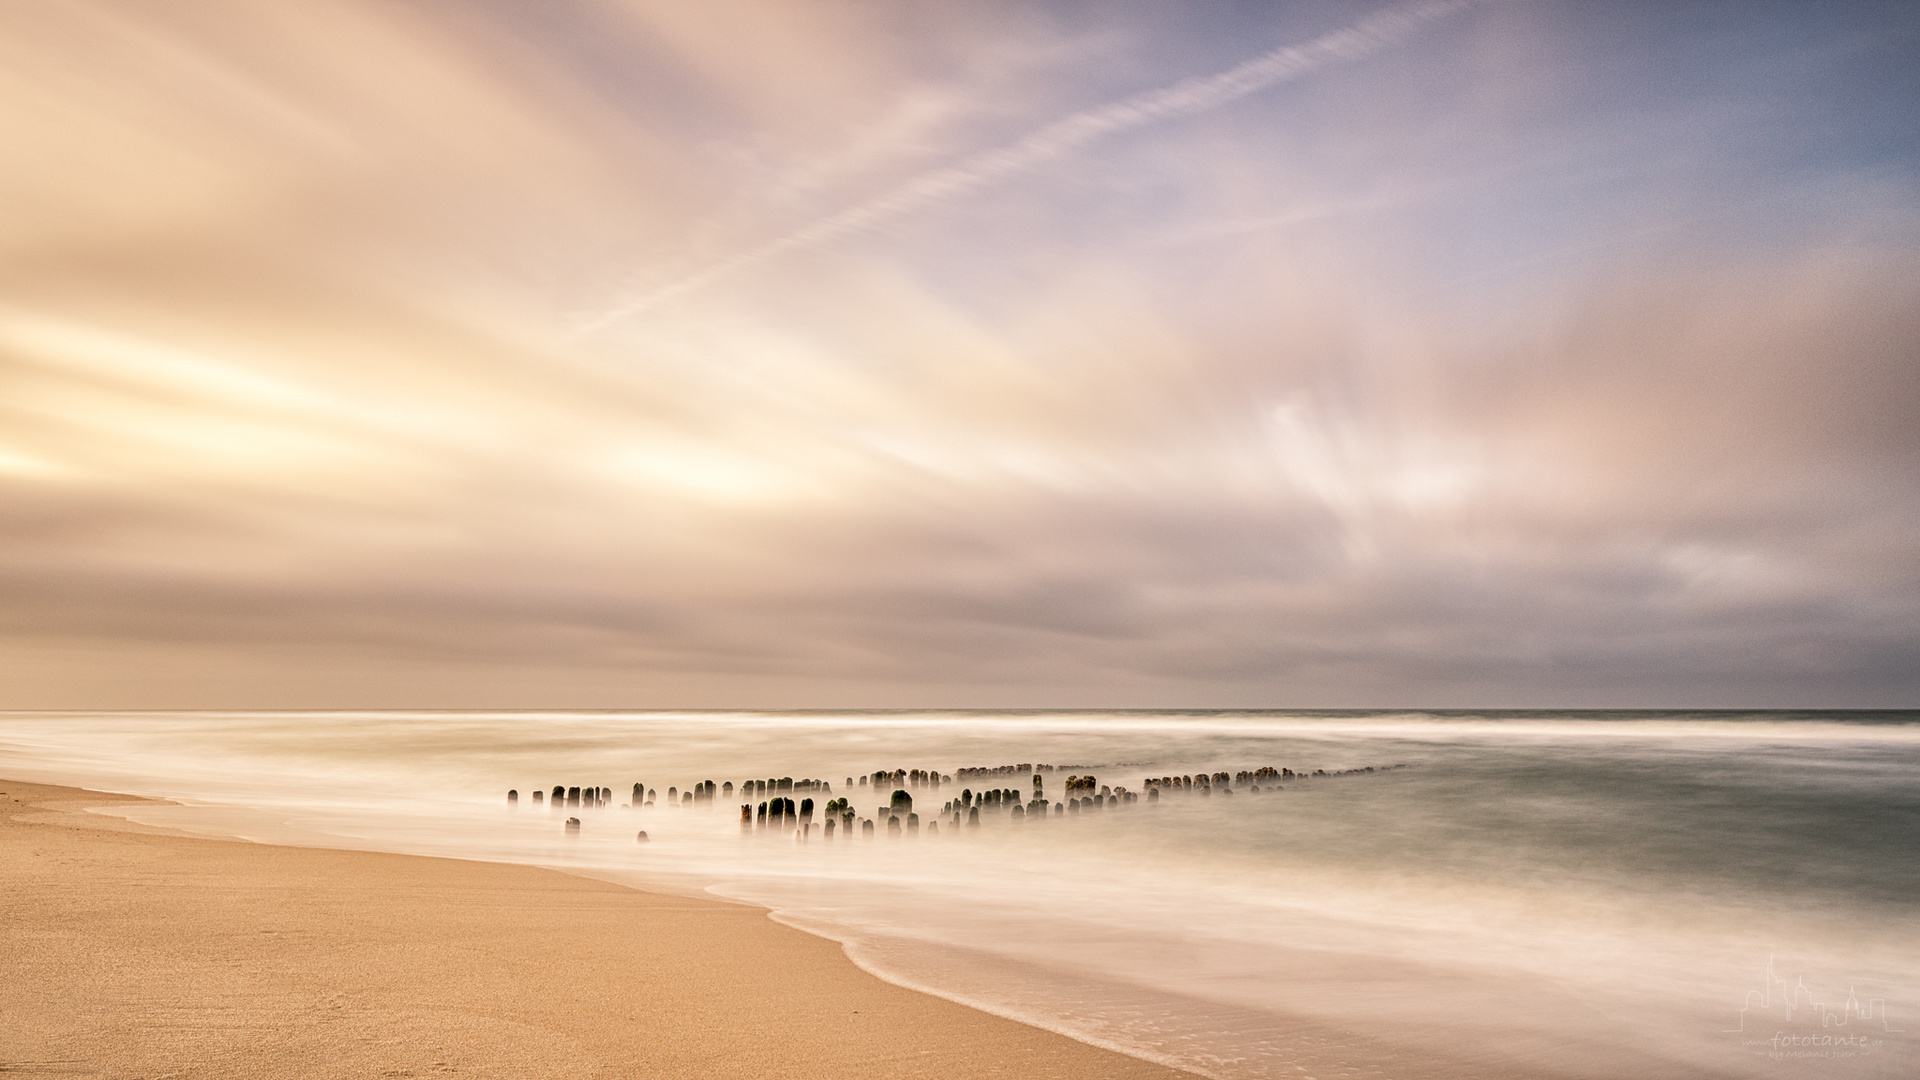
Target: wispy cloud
(1188, 97)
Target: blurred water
(1574, 894)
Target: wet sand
(128, 952)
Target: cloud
(1187, 97)
(301, 425)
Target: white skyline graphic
(1799, 998)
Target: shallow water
(1577, 894)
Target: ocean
(1406, 893)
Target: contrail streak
(1184, 98)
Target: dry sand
(128, 952)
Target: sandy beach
(128, 952)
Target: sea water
(1586, 894)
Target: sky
(634, 354)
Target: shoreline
(137, 951)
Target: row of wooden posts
(781, 813)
